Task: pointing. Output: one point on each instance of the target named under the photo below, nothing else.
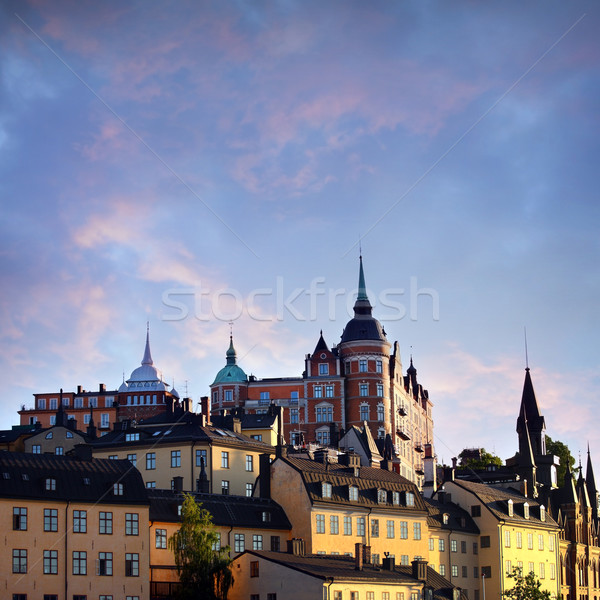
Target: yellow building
(294, 576)
(454, 545)
(334, 505)
(242, 523)
(515, 531)
(177, 444)
(73, 528)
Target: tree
(204, 572)
(484, 460)
(525, 588)
(562, 451)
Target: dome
(146, 376)
(231, 372)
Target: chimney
(295, 546)
(419, 569)
(187, 404)
(204, 408)
(72, 424)
(79, 389)
(178, 484)
(388, 563)
(102, 388)
(524, 487)
(454, 462)
(82, 451)
(358, 557)
(367, 555)
(264, 476)
(169, 404)
(237, 425)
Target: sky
(195, 164)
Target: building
(295, 576)
(241, 523)
(177, 443)
(360, 380)
(78, 528)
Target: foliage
(486, 460)
(525, 588)
(204, 573)
(562, 451)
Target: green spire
(362, 288)
(231, 353)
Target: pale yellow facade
(67, 563)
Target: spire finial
(231, 329)
(526, 353)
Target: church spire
(362, 306)
(529, 415)
(147, 360)
(231, 354)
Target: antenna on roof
(360, 246)
(230, 328)
(186, 389)
(526, 354)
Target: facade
(177, 444)
(295, 576)
(356, 382)
(241, 522)
(73, 528)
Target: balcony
(402, 410)
(419, 447)
(419, 469)
(403, 433)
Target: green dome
(230, 372)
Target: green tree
(486, 460)
(525, 588)
(204, 573)
(562, 451)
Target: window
(353, 493)
(532, 570)
(84, 597)
(19, 561)
(79, 521)
(19, 518)
(132, 458)
(530, 541)
(132, 564)
(465, 571)
(150, 484)
(453, 546)
(403, 530)
(93, 402)
(105, 523)
(293, 415)
(200, 454)
(131, 524)
(508, 567)
(443, 570)
(50, 562)
(272, 596)
(410, 499)
(104, 420)
(150, 461)
(59, 451)
(275, 543)
(50, 484)
(507, 539)
(431, 544)
(249, 490)
(254, 572)
(485, 541)
(362, 365)
(454, 570)
(390, 529)
(105, 564)
(463, 547)
(551, 543)
(323, 369)
(370, 595)
(103, 597)
(318, 391)
(542, 513)
(486, 572)
(475, 548)
(511, 508)
(360, 526)
(364, 412)
(249, 462)
(216, 545)
(526, 510)
(363, 389)
(118, 489)
(382, 496)
(540, 542)
(224, 460)
(36, 449)
(175, 459)
(225, 487)
(265, 395)
(378, 366)
(160, 538)
(53, 403)
(113, 457)
(257, 542)
(328, 391)
(239, 544)
(416, 531)
(475, 572)
(519, 539)
(79, 562)
(374, 527)
(50, 519)
(326, 489)
(552, 571)
(42, 403)
(228, 395)
(334, 525)
(324, 413)
(380, 391)
(347, 525)
(441, 545)
(320, 520)
(446, 518)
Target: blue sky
(192, 163)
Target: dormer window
(326, 489)
(323, 369)
(526, 510)
(445, 518)
(396, 498)
(132, 437)
(542, 513)
(353, 493)
(49, 435)
(409, 499)
(50, 484)
(69, 434)
(382, 496)
(511, 510)
(118, 489)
